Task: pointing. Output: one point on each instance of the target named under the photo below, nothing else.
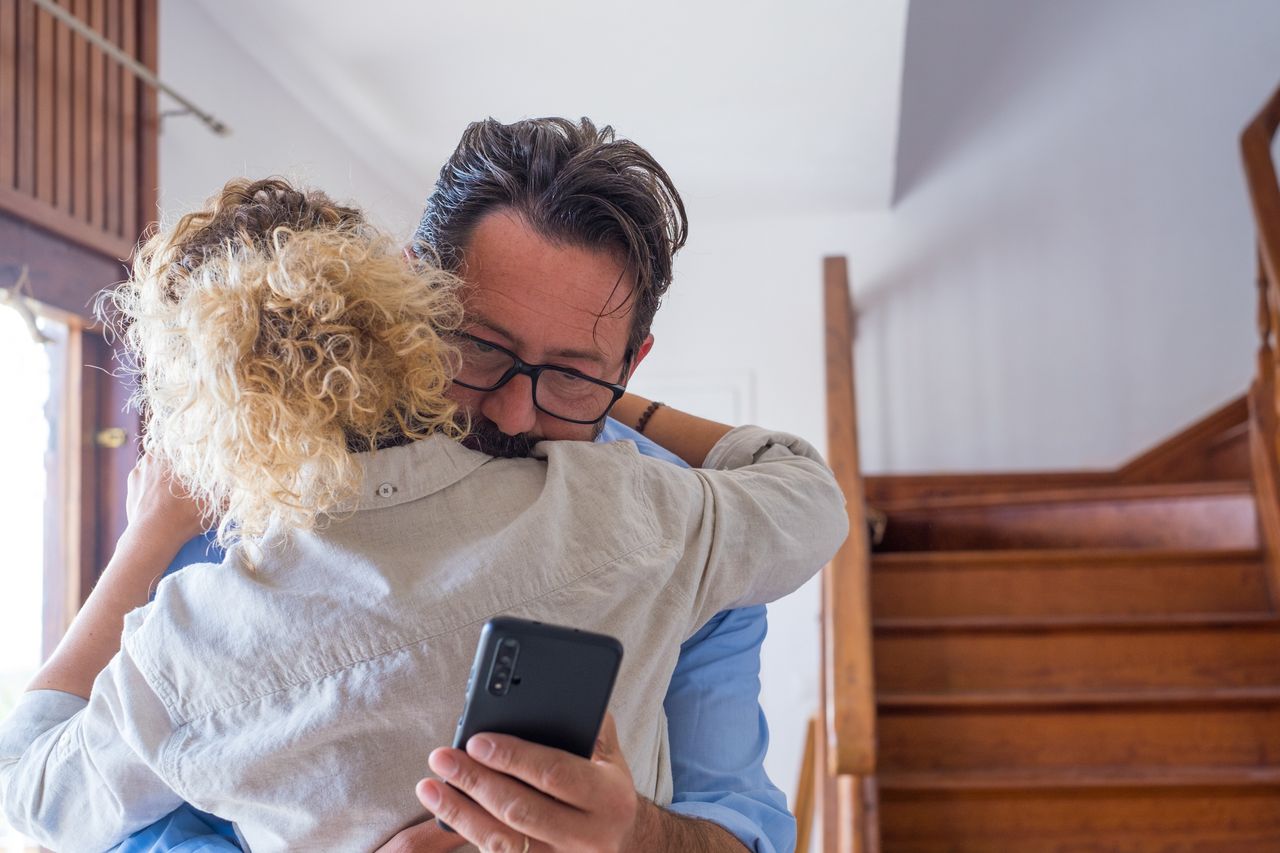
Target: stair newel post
(1264, 397)
(848, 730)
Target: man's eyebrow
(584, 355)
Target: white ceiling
(750, 105)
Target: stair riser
(1031, 590)
(1098, 660)
(1171, 821)
(913, 742)
(1206, 521)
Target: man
(565, 239)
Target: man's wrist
(656, 828)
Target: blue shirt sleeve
(186, 830)
(718, 733)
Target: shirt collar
(398, 475)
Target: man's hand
(156, 504)
(556, 800)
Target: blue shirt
(718, 733)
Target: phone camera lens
(502, 672)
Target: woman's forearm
(93, 639)
(687, 436)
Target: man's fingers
(510, 801)
(554, 772)
(469, 820)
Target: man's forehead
(554, 323)
(555, 297)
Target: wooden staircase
(1062, 662)
(1086, 667)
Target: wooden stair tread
(1086, 583)
(1075, 778)
(1180, 516)
(1152, 657)
(1105, 622)
(1108, 493)
(1056, 700)
(1070, 557)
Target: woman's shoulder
(219, 634)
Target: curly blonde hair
(272, 334)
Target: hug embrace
(393, 446)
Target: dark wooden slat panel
(149, 129)
(8, 90)
(97, 121)
(25, 126)
(111, 154)
(80, 119)
(129, 115)
(46, 77)
(63, 181)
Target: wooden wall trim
(61, 272)
(64, 225)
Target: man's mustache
(487, 438)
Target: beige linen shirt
(301, 700)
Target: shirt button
(386, 490)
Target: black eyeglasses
(561, 392)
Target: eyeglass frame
(520, 367)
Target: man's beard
(487, 438)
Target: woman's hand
(157, 505)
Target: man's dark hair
(572, 183)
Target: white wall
(1066, 278)
(272, 133)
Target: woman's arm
(687, 436)
(160, 522)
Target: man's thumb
(607, 748)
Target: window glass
(25, 444)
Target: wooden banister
(1264, 396)
(849, 687)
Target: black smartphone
(543, 683)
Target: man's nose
(511, 407)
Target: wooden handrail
(1264, 396)
(849, 686)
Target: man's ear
(639, 356)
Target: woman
(294, 372)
